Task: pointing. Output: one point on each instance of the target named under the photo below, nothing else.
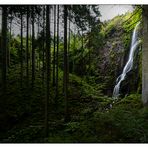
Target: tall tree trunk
(69, 36)
(57, 55)
(54, 45)
(38, 60)
(33, 50)
(82, 39)
(89, 54)
(43, 47)
(65, 65)
(4, 47)
(8, 55)
(30, 43)
(82, 67)
(68, 46)
(73, 67)
(27, 47)
(21, 53)
(48, 67)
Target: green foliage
(115, 25)
(72, 126)
(28, 134)
(133, 99)
(125, 122)
(131, 19)
(126, 40)
(82, 15)
(84, 88)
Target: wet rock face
(112, 54)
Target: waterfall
(134, 44)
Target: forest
(59, 67)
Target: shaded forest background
(57, 86)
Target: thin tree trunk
(65, 65)
(54, 45)
(48, 68)
(43, 47)
(82, 39)
(33, 51)
(4, 47)
(39, 47)
(21, 53)
(27, 47)
(82, 57)
(8, 56)
(89, 55)
(69, 36)
(57, 55)
(30, 44)
(73, 67)
(68, 47)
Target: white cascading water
(134, 44)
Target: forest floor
(94, 117)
